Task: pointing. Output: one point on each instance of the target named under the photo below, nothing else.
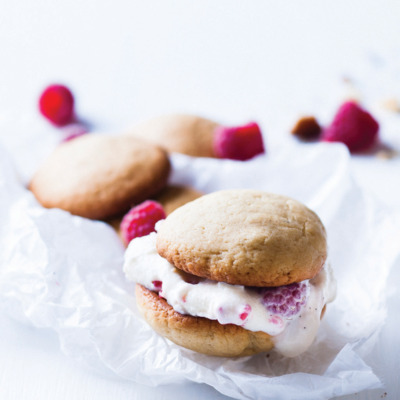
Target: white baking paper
(65, 273)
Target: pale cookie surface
(199, 334)
(97, 176)
(244, 237)
(187, 134)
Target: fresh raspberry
(285, 300)
(353, 126)
(141, 220)
(238, 143)
(56, 103)
(306, 128)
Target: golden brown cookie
(187, 134)
(199, 334)
(244, 237)
(97, 176)
(175, 196)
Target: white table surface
(230, 60)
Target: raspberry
(306, 128)
(353, 126)
(285, 300)
(238, 143)
(56, 103)
(141, 220)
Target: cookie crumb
(391, 104)
(387, 154)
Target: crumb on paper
(391, 104)
(387, 154)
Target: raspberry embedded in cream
(301, 304)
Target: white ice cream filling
(229, 304)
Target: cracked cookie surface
(245, 237)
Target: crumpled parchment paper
(65, 273)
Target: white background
(234, 61)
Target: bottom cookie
(199, 334)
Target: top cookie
(97, 176)
(244, 237)
(187, 134)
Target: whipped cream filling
(231, 304)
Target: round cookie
(187, 134)
(97, 176)
(199, 334)
(175, 196)
(244, 237)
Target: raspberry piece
(285, 300)
(306, 128)
(141, 220)
(353, 126)
(246, 311)
(238, 143)
(157, 286)
(56, 103)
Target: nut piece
(306, 128)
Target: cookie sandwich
(234, 273)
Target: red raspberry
(285, 300)
(238, 143)
(353, 126)
(157, 286)
(56, 103)
(246, 311)
(141, 220)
